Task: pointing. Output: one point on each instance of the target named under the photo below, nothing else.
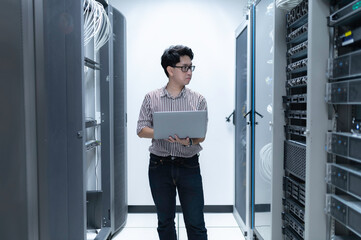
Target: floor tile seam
(236, 227)
(233, 227)
(140, 227)
(182, 225)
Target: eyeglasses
(185, 68)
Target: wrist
(190, 142)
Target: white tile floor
(144, 226)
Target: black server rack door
(18, 179)
(106, 77)
(59, 74)
(120, 125)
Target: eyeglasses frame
(185, 67)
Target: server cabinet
(51, 120)
(295, 102)
(60, 119)
(18, 155)
(343, 200)
(297, 123)
(113, 122)
(305, 113)
(264, 123)
(109, 87)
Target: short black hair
(171, 56)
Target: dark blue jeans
(167, 175)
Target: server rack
(265, 208)
(300, 58)
(296, 120)
(60, 119)
(107, 106)
(299, 122)
(343, 200)
(59, 126)
(18, 179)
(306, 121)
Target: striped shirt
(160, 101)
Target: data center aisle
(144, 226)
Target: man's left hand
(183, 141)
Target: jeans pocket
(192, 164)
(153, 164)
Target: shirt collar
(165, 93)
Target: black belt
(172, 159)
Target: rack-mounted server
(346, 210)
(295, 130)
(296, 114)
(345, 15)
(294, 208)
(298, 35)
(345, 66)
(302, 98)
(289, 234)
(296, 225)
(299, 50)
(346, 145)
(294, 189)
(298, 81)
(298, 66)
(345, 177)
(349, 36)
(297, 14)
(344, 92)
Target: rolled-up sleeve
(145, 116)
(202, 104)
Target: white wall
(208, 27)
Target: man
(174, 161)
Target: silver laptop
(184, 124)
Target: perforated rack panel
(295, 158)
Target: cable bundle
(96, 24)
(250, 3)
(265, 163)
(287, 4)
(297, 12)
